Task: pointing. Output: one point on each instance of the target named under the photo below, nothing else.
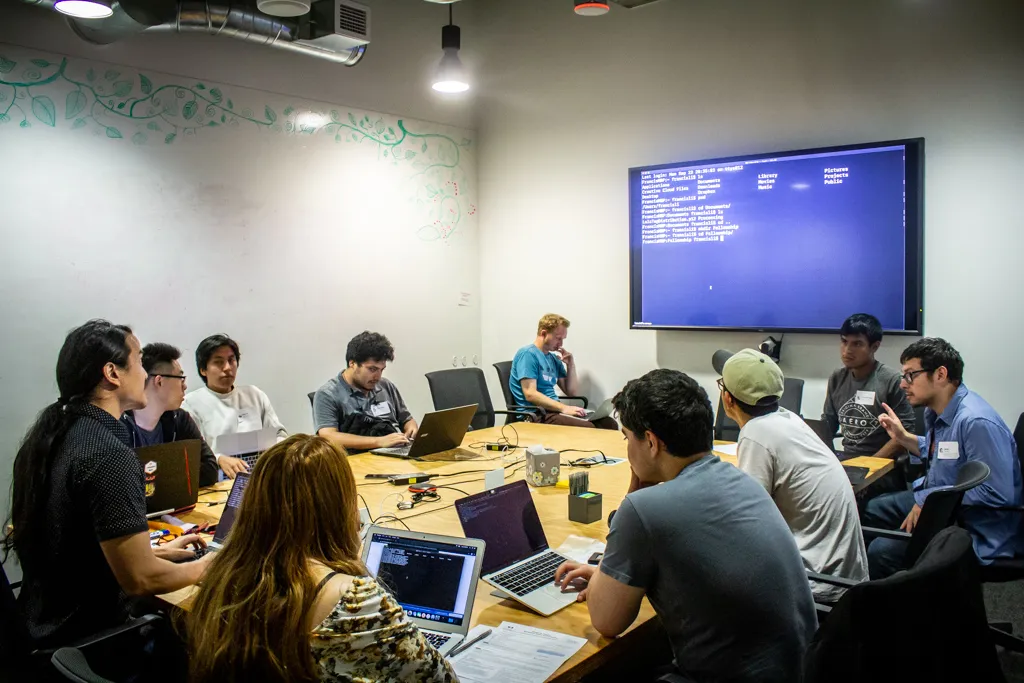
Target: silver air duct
(130, 18)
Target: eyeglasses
(721, 384)
(908, 377)
(158, 374)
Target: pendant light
(591, 8)
(85, 9)
(451, 75)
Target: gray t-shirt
(337, 399)
(721, 569)
(853, 406)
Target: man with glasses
(359, 409)
(162, 420)
(220, 407)
(961, 427)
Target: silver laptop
(247, 446)
(432, 577)
(439, 437)
(518, 561)
(604, 410)
(227, 518)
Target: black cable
(426, 512)
(459, 490)
(397, 519)
(374, 483)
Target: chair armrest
(72, 664)
(886, 533)
(832, 580)
(582, 399)
(526, 409)
(822, 610)
(1001, 508)
(127, 627)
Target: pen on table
(469, 644)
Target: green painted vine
(121, 105)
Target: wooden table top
(439, 517)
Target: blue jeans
(885, 555)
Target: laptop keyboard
(530, 576)
(401, 450)
(250, 460)
(437, 639)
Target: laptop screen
(431, 580)
(506, 519)
(227, 519)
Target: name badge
(243, 417)
(865, 398)
(949, 450)
(380, 409)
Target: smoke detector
(283, 8)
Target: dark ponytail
(86, 350)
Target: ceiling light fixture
(590, 8)
(283, 8)
(85, 9)
(451, 75)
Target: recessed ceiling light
(84, 9)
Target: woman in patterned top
(287, 599)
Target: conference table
(439, 517)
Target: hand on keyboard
(575, 576)
(179, 549)
(392, 440)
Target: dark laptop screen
(506, 519)
(231, 507)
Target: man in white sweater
(223, 408)
(800, 473)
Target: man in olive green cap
(800, 473)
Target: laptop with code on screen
(518, 561)
(432, 577)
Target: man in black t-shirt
(163, 420)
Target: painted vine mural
(128, 106)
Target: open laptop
(432, 577)
(439, 437)
(227, 518)
(171, 473)
(247, 446)
(518, 559)
(604, 410)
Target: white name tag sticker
(949, 450)
(243, 417)
(865, 398)
(380, 409)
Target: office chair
(463, 387)
(881, 630)
(821, 430)
(504, 370)
(939, 511)
(21, 661)
(311, 395)
(792, 400)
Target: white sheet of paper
(514, 653)
(494, 479)
(579, 548)
(728, 448)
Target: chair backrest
(941, 508)
(878, 629)
(792, 395)
(1018, 436)
(311, 395)
(462, 387)
(504, 370)
(820, 428)
(14, 638)
(792, 399)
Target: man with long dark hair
(78, 509)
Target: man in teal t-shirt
(536, 370)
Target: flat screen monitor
(790, 241)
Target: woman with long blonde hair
(288, 599)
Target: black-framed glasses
(160, 374)
(908, 377)
(721, 384)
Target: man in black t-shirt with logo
(857, 391)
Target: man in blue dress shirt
(961, 426)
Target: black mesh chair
(19, 660)
(463, 387)
(940, 510)
(933, 614)
(820, 428)
(504, 370)
(792, 400)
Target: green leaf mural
(145, 85)
(74, 104)
(6, 65)
(189, 110)
(41, 63)
(111, 75)
(122, 88)
(79, 123)
(43, 109)
(271, 114)
(170, 138)
(90, 75)
(216, 95)
(113, 132)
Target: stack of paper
(513, 653)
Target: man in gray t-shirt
(856, 392)
(707, 547)
(359, 409)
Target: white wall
(569, 103)
(290, 243)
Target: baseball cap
(749, 375)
